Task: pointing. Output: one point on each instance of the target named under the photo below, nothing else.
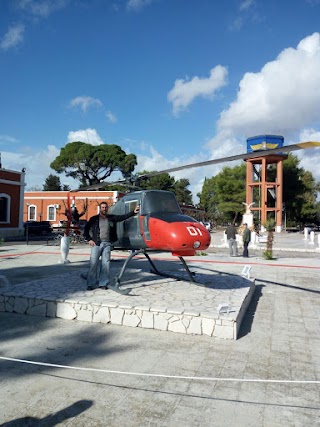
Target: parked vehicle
(82, 223)
(38, 228)
(207, 225)
(310, 227)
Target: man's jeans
(98, 275)
(233, 247)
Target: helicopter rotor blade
(128, 183)
(103, 184)
(244, 156)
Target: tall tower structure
(264, 182)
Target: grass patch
(268, 255)
(201, 253)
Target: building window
(51, 213)
(4, 208)
(32, 213)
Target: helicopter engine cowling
(180, 234)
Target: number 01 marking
(194, 231)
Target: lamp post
(27, 224)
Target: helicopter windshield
(159, 201)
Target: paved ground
(279, 340)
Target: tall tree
(300, 192)
(231, 191)
(222, 196)
(208, 199)
(52, 183)
(91, 164)
(310, 206)
(166, 182)
(183, 194)
(158, 182)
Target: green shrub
(201, 253)
(268, 254)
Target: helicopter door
(131, 229)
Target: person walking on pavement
(100, 232)
(246, 237)
(231, 233)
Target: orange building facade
(51, 205)
(12, 185)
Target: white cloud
(7, 138)
(247, 13)
(246, 4)
(137, 5)
(85, 102)
(37, 164)
(89, 136)
(310, 158)
(313, 2)
(282, 98)
(185, 91)
(41, 8)
(151, 159)
(111, 117)
(13, 37)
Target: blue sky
(172, 81)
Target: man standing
(100, 232)
(246, 237)
(231, 233)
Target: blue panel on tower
(264, 142)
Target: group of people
(231, 233)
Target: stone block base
(162, 304)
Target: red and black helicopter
(160, 224)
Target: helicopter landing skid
(154, 270)
(116, 288)
(159, 273)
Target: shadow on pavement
(64, 348)
(248, 319)
(298, 288)
(53, 419)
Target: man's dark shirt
(231, 232)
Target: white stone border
(159, 318)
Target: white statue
(248, 210)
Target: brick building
(51, 205)
(12, 185)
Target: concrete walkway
(283, 242)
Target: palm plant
(269, 226)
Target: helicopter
(160, 224)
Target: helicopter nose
(182, 237)
(196, 244)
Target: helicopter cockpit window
(160, 202)
(130, 205)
